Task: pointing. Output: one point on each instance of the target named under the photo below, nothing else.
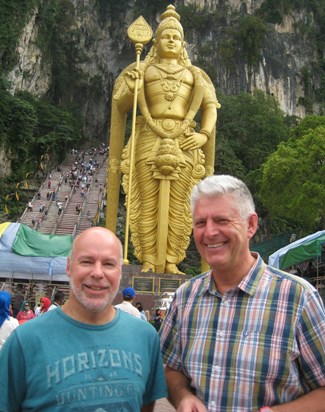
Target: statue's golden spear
(140, 33)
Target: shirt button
(221, 333)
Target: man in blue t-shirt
(77, 358)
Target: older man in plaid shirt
(243, 336)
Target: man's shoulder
(41, 320)
(196, 284)
(281, 275)
(292, 286)
(197, 279)
(37, 328)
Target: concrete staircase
(94, 202)
(69, 221)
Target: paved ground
(163, 406)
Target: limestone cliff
(32, 72)
(285, 52)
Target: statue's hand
(130, 79)
(193, 141)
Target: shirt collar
(248, 284)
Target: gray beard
(87, 303)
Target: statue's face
(170, 44)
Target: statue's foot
(173, 269)
(148, 267)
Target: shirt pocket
(262, 357)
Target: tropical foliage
(292, 185)
(32, 132)
(253, 126)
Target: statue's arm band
(203, 131)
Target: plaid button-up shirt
(262, 343)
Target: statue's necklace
(169, 68)
(171, 83)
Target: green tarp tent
(307, 248)
(29, 242)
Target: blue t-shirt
(54, 363)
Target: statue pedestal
(149, 286)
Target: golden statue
(170, 156)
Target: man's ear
(252, 225)
(67, 269)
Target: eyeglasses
(26, 304)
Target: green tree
(17, 122)
(226, 160)
(30, 127)
(56, 131)
(292, 186)
(305, 125)
(253, 126)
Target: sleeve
(311, 340)
(156, 387)
(12, 375)
(170, 338)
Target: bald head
(96, 234)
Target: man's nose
(97, 269)
(211, 229)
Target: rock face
(33, 73)
(106, 50)
(278, 72)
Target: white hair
(217, 185)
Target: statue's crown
(170, 19)
(170, 12)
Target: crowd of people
(80, 177)
(82, 172)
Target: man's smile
(216, 245)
